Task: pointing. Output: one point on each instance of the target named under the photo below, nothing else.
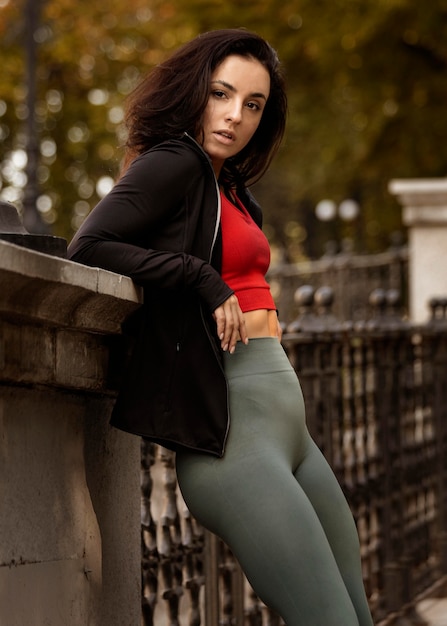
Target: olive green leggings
(275, 501)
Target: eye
(254, 106)
(218, 93)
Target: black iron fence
(352, 279)
(376, 402)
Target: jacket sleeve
(149, 198)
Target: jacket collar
(247, 198)
(195, 144)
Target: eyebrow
(233, 89)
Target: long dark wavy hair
(172, 98)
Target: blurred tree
(367, 89)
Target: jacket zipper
(216, 230)
(219, 204)
(213, 243)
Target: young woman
(208, 376)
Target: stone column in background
(424, 203)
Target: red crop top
(245, 257)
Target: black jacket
(160, 225)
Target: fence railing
(352, 279)
(376, 403)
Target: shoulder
(170, 159)
(165, 175)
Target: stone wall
(69, 483)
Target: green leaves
(367, 90)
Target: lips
(225, 135)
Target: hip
(262, 355)
(261, 323)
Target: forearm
(154, 268)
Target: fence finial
(314, 307)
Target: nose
(234, 113)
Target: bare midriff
(261, 323)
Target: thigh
(252, 500)
(265, 517)
(318, 481)
(266, 438)
(323, 490)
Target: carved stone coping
(46, 289)
(424, 200)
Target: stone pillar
(69, 482)
(424, 205)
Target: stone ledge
(61, 358)
(39, 287)
(425, 215)
(425, 200)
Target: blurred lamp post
(348, 210)
(327, 211)
(31, 217)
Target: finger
(229, 330)
(239, 330)
(219, 316)
(230, 308)
(239, 333)
(243, 329)
(224, 323)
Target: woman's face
(239, 90)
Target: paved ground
(434, 611)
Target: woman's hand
(230, 324)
